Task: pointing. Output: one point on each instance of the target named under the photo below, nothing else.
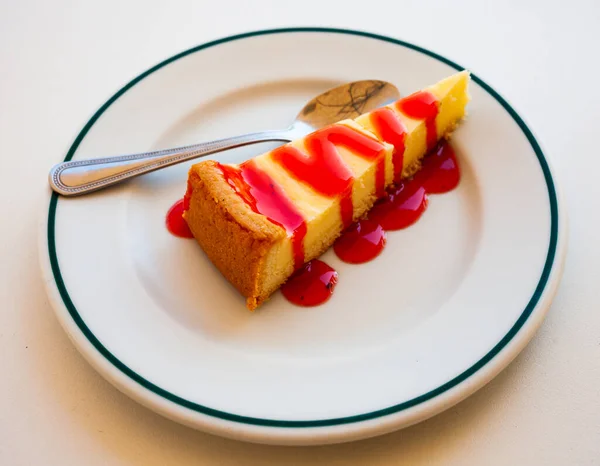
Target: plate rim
(55, 282)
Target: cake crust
(234, 237)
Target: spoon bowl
(346, 101)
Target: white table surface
(60, 60)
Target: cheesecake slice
(261, 220)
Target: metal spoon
(346, 101)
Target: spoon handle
(84, 176)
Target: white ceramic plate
(450, 302)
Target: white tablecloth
(60, 60)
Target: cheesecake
(261, 220)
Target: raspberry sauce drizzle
(401, 207)
(311, 285)
(264, 196)
(422, 105)
(360, 243)
(175, 222)
(322, 167)
(405, 203)
(389, 128)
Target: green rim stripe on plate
(322, 422)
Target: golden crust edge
(234, 237)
